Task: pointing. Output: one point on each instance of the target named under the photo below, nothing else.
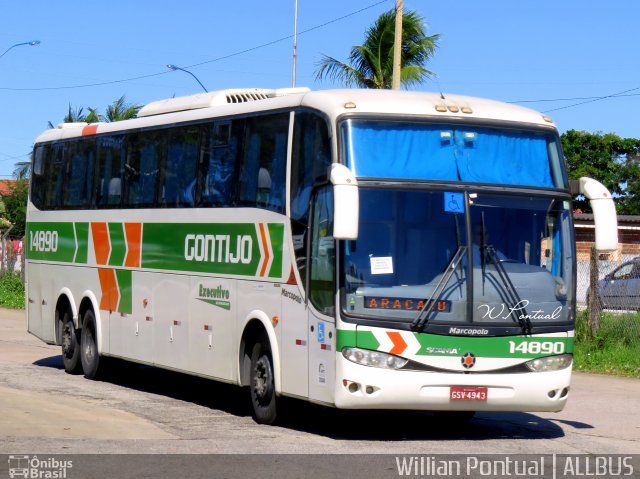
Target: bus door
(322, 298)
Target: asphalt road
(138, 409)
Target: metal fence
(614, 311)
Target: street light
(174, 68)
(32, 43)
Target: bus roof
(332, 102)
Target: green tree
(371, 64)
(15, 205)
(120, 110)
(611, 160)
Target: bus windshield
(460, 153)
(418, 248)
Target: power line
(571, 99)
(224, 57)
(624, 93)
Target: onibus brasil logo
(33, 467)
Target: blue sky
(569, 51)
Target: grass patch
(615, 349)
(11, 291)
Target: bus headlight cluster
(550, 363)
(376, 359)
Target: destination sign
(405, 304)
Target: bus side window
(310, 162)
(217, 168)
(38, 175)
(178, 185)
(56, 171)
(144, 158)
(263, 167)
(79, 159)
(110, 153)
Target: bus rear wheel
(70, 344)
(89, 346)
(262, 387)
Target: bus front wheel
(262, 386)
(89, 346)
(70, 344)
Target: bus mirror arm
(604, 213)
(346, 208)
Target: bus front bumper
(363, 387)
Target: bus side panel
(212, 307)
(134, 336)
(34, 300)
(170, 321)
(295, 355)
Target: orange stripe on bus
(265, 246)
(101, 244)
(133, 231)
(89, 130)
(109, 287)
(399, 344)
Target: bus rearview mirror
(345, 202)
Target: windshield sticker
(381, 264)
(454, 202)
(518, 311)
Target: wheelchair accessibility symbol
(454, 202)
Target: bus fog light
(375, 359)
(550, 363)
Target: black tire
(89, 346)
(70, 343)
(262, 387)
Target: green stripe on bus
(50, 241)
(437, 345)
(124, 278)
(220, 248)
(495, 347)
(276, 232)
(82, 239)
(118, 244)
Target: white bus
(359, 249)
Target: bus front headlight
(550, 363)
(375, 359)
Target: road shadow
(377, 425)
(54, 362)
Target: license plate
(467, 393)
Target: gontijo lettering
(218, 248)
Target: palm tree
(371, 64)
(74, 115)
(119, 110)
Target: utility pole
(295, 43)
(397, 47)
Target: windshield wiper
(422, 319)
(510, 291)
